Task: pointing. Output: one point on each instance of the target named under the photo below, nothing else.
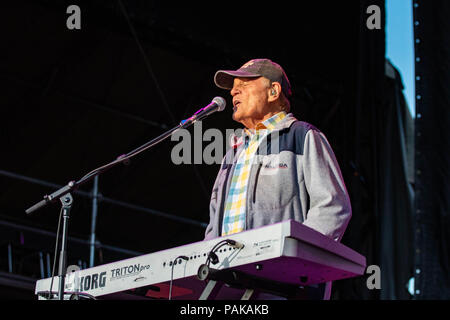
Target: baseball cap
(253, 69)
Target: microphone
(217, 104)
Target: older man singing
(259, 184)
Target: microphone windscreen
(220, 102)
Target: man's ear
(274, 91)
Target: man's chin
(236, 116)
(239, 119)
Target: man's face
(250, 100)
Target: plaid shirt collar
(268, 124)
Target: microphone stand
(65, 197)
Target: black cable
(49, 294)
(171, 274)
(217, 246)
(75, 295)
(235, 244)
(211, 253)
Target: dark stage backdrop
(432, 157)
(380, 177)
(74, 100)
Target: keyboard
(288, 253)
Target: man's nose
(234, 91)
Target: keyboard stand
(251, 284)
(211, 290)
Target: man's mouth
(236, 103)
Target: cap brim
(224, 78)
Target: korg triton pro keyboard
(288, 253)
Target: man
(280, 168)
(300, 181)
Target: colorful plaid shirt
(234, 213)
